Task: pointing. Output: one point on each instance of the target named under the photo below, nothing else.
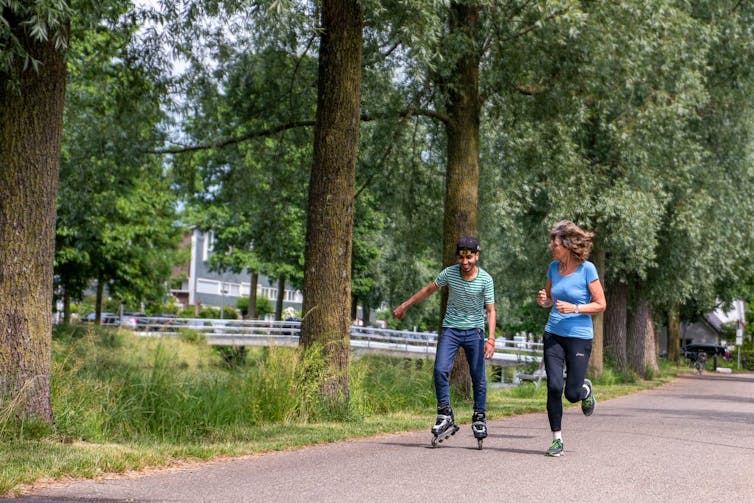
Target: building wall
(698, 333)
(209, 288)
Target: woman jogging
(574, 292)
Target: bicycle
(700, 362)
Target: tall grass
(113, 386)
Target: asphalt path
(690, 440)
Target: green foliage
(232, 356)
(116, 210)
(24, 23)
(529, 318)
(381, 385)
(308, 379)
(264, 307)
(190, 336)
(159, 389)
(242, 303)
(747, 355)
(112, 385)
(619, 127)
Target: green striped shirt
(466, 299)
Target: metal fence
(405, 343)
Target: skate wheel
(479, 443)
(434, 441)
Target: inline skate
(479, 427)
(444, 425)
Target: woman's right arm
(543, 296)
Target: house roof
(714, 322)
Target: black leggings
(570, 353)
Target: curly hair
(573, 238)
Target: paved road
(691, 440)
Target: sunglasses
(466, 253)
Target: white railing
(286, 333)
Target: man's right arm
(419, 296)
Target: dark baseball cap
(467, 243)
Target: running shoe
(588, 403)
(556, 448)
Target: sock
(557, 435)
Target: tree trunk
(596, 361)
(31, 123)
(66, 308)
(354, 308)
(616, 295)
(640, 342)
(674, 334)
(329, 233)
(252, 314)
(651, 343)
(462, 178)
(100, 293)
(280, 298)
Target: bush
(232, 356)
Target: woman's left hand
(565, 307)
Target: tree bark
(596, 361)
(100, 294)
(329, 233)
(640, 343)
(252, 314)
(651, 343)
(462, 177)
(616, 293)
(280, 298)
(66, 308)
(674, 334)
(31, 124)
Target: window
(208, 245)
(205, 286)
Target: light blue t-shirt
(573, 288)
(466, 299)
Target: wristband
(577, 308)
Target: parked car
(105, 318)
(691, 351)
(133, 320)
(292, 326)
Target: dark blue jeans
(573, 355)
(472, 342)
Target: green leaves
(22, 22)
(116, 210)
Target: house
(709, 329)
(202, 287)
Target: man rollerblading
(479, 427)
(444, 425)
(471, 306)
